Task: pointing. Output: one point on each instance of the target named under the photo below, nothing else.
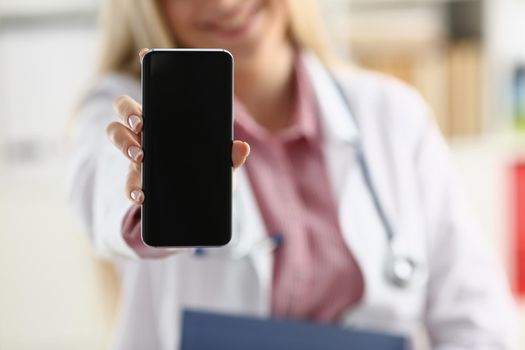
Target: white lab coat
(463, 304)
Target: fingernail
(134, 121)
(137, 196)
(135, 153)
(249, 148)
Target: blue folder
(207, 331)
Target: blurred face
(241, 26)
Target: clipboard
(211, 331)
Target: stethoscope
(400, 270)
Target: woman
(304, 180)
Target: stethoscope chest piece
(400, 270)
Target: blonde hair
(130, 25)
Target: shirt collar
(330, 116)
(305, 123)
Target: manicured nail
(137, 196)
(135, 153)
(134, 122)
(142, 53)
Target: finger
(240, 151)
(129, 111)
(143, 52)
(133, 184)
(126, 141)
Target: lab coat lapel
(358, 219)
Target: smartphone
(187, 137)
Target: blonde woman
(345, 166)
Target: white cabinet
(45, 60)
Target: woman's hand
(125, 135)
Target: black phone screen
(187, 101)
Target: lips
(235, 22)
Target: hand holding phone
(126, 135)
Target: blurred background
(467, 57)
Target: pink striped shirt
(315, 276)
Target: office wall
(54, 294)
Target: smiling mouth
(236, 23)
